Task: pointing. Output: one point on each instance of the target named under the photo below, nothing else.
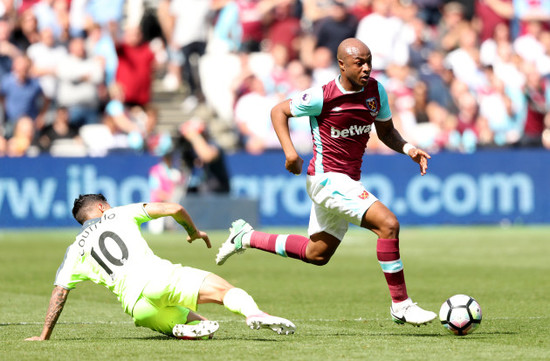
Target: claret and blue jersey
(341, 122)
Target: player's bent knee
(390, 227)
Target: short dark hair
(83, 204)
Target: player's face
(357, 66)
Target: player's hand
(420, 157)
(294, 164)
(34, 338)
(200, 235)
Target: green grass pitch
(341, 310)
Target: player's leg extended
(243, 236)
(318, 250)
(215, 289)
(327, 226)
(383, 222)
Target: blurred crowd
(76, 75)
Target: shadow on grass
(170, 339)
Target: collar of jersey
(88, 223)
(344, 91)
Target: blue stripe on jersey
(391, 266)
(385, 112)
(317, 144)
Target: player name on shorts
(351, 131)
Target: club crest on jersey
(364, 195)
(372, 105)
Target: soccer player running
(341, 114)
(110, 250)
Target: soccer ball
(460, 315)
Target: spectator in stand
(488, 51)
(185, 27)
(507, 66)
(498, 113)
(136, 62)
(435, 134)
(448, 29)
(124, 126)
(166, 181)
(361, 8)
(21, 143)
(464, 60)
(399, 87)
(3, 143)
(385, 34)
(489, 16)
(107, 13)
(203, 159)
(60, 128)
(79, 78)
(21, 95)
(253, 120)
(53, 14)
(420, 102)
(147, 121)
(251, 14)
(45, 56)
(323, 67)
(283, 28)
(314, 11)
(543, 63)
(339, 25)
(26, 31)
(296, 80)
(521, 12)
(421, 46)
(537, 95)
(530, 46)
(465, 137)
(78, 19)
(8, 51)
(429, 11)
(227, 34)
(99, 44)
(7, 9)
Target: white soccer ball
(460, 314)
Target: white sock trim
(246, 239)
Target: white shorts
(337, 201)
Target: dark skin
(355, 63)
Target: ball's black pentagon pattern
(472, 323)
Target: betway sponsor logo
(350, 132)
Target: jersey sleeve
(307, 103)
(137, 212)
(68, 275)
(385, 112)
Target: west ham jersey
(340, 124)
(111, 251)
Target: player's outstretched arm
(57, 301)
(391, 137)
(279, 117)
(180, 215)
